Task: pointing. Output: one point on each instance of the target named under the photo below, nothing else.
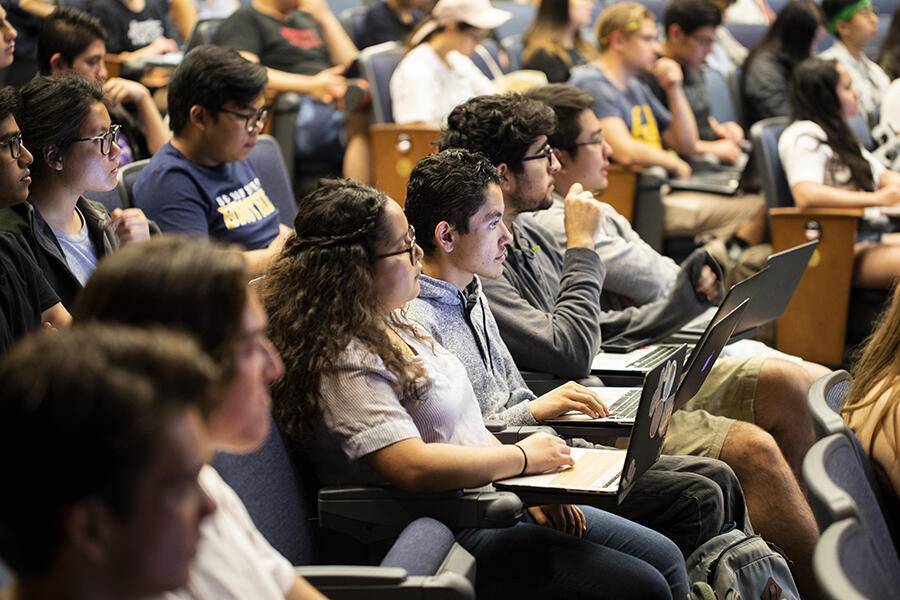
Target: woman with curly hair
(827, 168)
(374, 398)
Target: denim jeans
(614, 559)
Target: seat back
(204, 33)
(111, 199)
(825, 399)
(125, 181)
(721, 103)
(657, 7)
(487, 58)
(269, 164)
(352, 21)
(847, 564)
(748, 34)
(377, 64)
(270, 486)
(523, 14)
(841, 486)
(514, 46)
(764, 134)
(860, 129)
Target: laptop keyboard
(652, 358)
(626, 406)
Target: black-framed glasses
(411, 250)
(597, 141)
(547, 153)
(251, 120)
(106, 139)
(14, 144)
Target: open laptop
(713, 178)
(769, 291)
(622, 409)
(611, 472)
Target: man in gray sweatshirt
(547, 304)
(688, 499)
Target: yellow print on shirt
(645, 129)
(245, 205)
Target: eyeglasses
(547, 153)
(106, 139)
(14, 144)
(411, 234)
(598, 141)
(251, 120)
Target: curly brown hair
(320, 296)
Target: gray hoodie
(462, 322)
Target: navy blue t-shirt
(226, 202)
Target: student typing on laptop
(455, 203)
(548, 309)
(374, 397)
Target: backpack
(735, 566)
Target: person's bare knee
(780, 397)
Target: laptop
(610, 473)
(713, 178)
(769, 291)
(623, 409)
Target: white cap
(477, 13)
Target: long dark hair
(791, 36)
(814, 98)
(320, 296)
(889, 53)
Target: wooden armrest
(814, 324)
(621, 188)
(395, 151)
(113, 64)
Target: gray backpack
(735, 566)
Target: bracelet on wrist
(525, 456)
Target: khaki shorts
(695, 213)
(699, 429)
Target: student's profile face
(241, 422)
(862, 28)
(591, 160)
(87, 166)
(226, 133)
(695, 47)
(8, 36)
(641, 48)
(91, 63)
(846, 93)
(580, 13)
(14, 174)
(152, 548)
(396, 277)
(482, 250)
(532, 188)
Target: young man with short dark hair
(26, 298)
(101, 445)
(455, 203)
(202, 182)
(855, 25)
(548, 307)
(72, 41)
(690, 29)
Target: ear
(675, 33)
(89, 528)
(563, 157)
(58, 64)
(445, 236)
(198, 116)
(53, 157)
(508, 183)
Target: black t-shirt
(697, 96)
(24, 293)
(552, 65)
(381, 24)
(294, 45)
(128, 31)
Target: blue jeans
(615, 559)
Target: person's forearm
(155, 129)
(341, 49)
(888, 177)
(38, 8)
(282, 81)
(682, 130)
(643, 154)
(416, 466)
(808, 194)
(57, 316)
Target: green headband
(846, 14)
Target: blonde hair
(625, 17)
(878, 368)
(548, 29)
